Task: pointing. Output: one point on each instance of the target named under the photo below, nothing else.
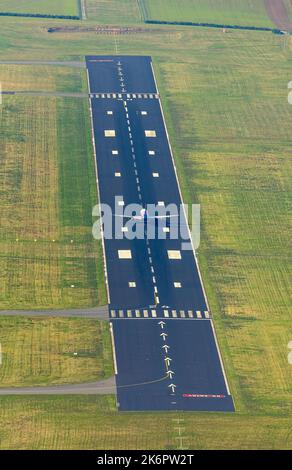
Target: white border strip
(194, 252)
(98, 192)
(114, 348)
(220, 358)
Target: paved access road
(69, 63)
(166, 354)
(46, 94)
(103, 387)
(100, 313)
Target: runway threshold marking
(169, 314)
(123, 95)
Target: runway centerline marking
(155, 289)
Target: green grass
(113, 11)
(45, 7)
(48, 190)
(42, 78)
(41, 351)
(232, 12)
(92, 423)
(225, 100)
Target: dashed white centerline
(157, 301)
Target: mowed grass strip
(42, 78)
(75, 422)
(48, 256)
(45, 7)
(229, 12)
(53, 351)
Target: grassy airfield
(225, 99)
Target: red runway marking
(198, 395)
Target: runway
(166, 353)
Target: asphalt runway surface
(165, 349)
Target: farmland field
(225, 100)
(232, 12)
(41, 351)
(45, 7)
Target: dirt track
(277, 12)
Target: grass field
(225, 100)
(41, 351)
(113, 11)
(92, 423)
(232, 12)
(45, 7)
(48, 256)
(42, 78)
